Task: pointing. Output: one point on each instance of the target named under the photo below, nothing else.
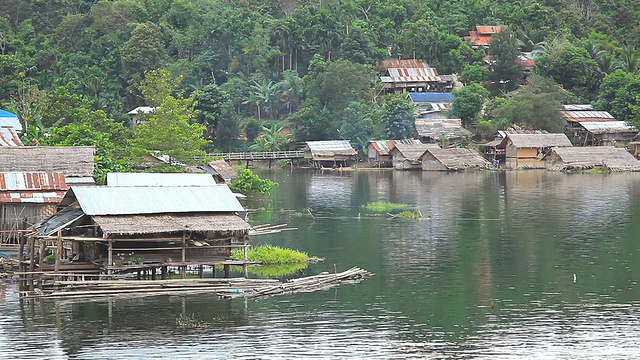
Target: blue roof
(5, 113)
(431, 96)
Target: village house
(492, 150)
(444, 132)
(598, 157)
(25, 199)
(144, 227)
(481, 36)
(379, 151)
(134, 115)
(432, 105)
(10, 127)
(33, 181)
(330, 153)
(634, 146)
(596, 128)
(452, 160)
(525, 151)
(407, 156)
(401, 76)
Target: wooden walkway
(267, 155)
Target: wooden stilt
(200, 271)
(163, 272)
(153, 273)
(183, 269)
(110, 258)
(227, 271)
(213, 271)
(58, 253)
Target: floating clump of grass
(410, 215)
(276, 270)
(272, 255)
(383, 206)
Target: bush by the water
(269, 254)
(386, 206)
(248, 182)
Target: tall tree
(468, 102)
(397, 115)
(506, 70)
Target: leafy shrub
(248, 182)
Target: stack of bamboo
(227, 287)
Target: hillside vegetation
(239, 74)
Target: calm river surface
(516, 265)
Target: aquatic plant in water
(380, 206)
(272, 255)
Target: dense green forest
(257, 74)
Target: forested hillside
(246, 69)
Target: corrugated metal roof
(59, 220)
(79, 180)
(32, 181)
(413, 74)
(122, 200)
(431, 97)
(159, 179)
(32, 197)
(402, 63)
(605, 125)
(489, 29)
(338, 147)
(586, 115)
(9, 137)
(577, 107)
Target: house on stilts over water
(33, 180)
(142, 229)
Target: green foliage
(536, 107)
(248, 182)
(271, 139)
(168, 131)
(272, 255)
(475, 73)
(468, 102)
(506, 71)
(384, 206)
(620, 95)
(397, 115)
(410, 215)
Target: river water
(515, 265)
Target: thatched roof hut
(72, 161)
(452, 159)
(445, 131)
(379, 151)
(527, 150)
(580, 158)
(407, 156)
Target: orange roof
(404, 63)
(489, 29)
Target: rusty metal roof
(122, 200)
(159, 179)
(577, 107)
(32, 181)
(402, 63)
(422, 74)
(33, 187)
(587, 115)
(9, 137)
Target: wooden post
(43, 248)
(110, 258)
(31, 250)
(163, 272)
(200, 271)
(183, 269)
(58, 253)
(246, 258)
(213, 271)
(227, 271)
(21, 250)
(153, 273)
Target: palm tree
(290, 90)
(265, 95)
(271, 139)
(607, 63)
(630, 59)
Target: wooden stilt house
(407, 156)
(144, 229)
(330, 153)
(452, 160)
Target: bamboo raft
(222, 287)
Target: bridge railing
(265, 155)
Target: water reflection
(488, 273)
